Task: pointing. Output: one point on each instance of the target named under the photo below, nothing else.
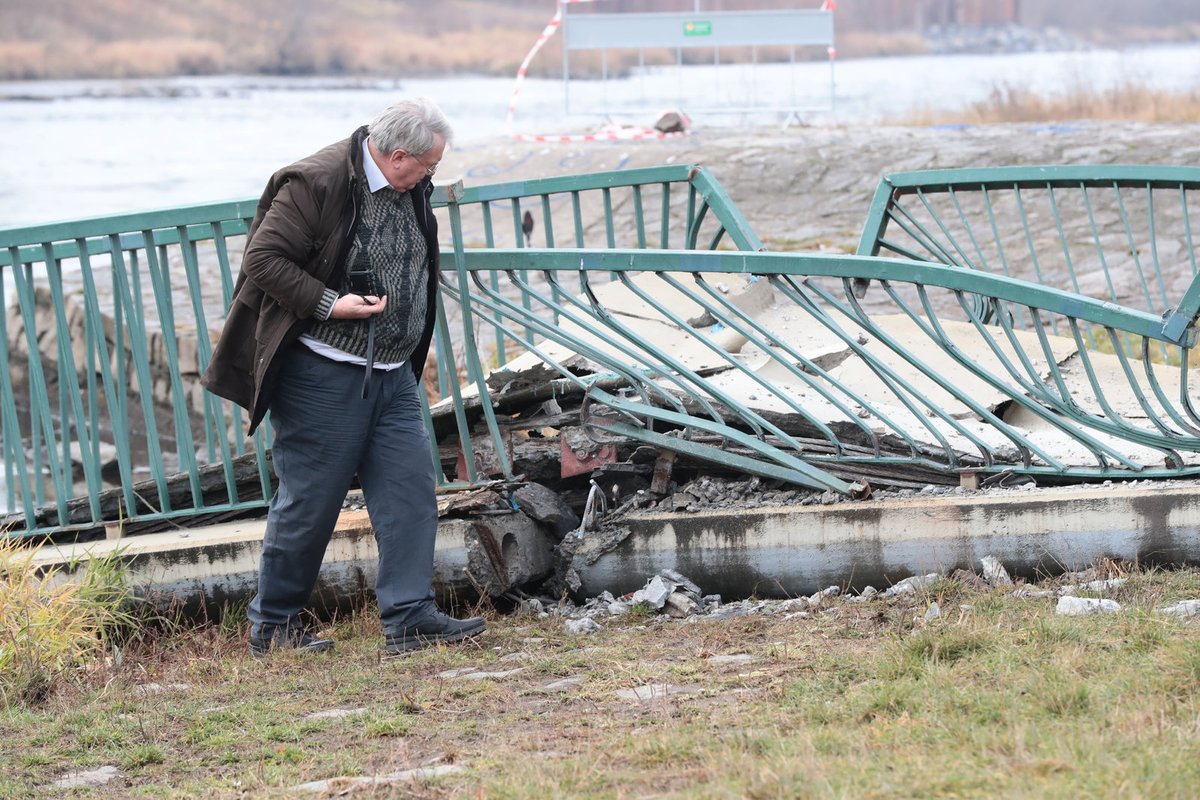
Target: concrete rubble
(1083, 606)
(348, 784)
(740, 537)
(668, 593)
(1184, 608)
(88, 778)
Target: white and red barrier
(608, 133)
(612, 133)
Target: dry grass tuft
(1129, 101)
(51, 626)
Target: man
(329, 329)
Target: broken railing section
(680, 207)
(769, 364)
(1118, 233)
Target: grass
(998, 695)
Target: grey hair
(410, 125)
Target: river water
(74, 149)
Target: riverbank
(113, 39)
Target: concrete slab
(785, 551)
(794, 551)
(206, 569)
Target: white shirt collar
(374, 176)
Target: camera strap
(370, 356)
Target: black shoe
(283, 639)
(435, 628)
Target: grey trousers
(325, 432)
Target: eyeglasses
(429, 171)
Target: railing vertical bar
(1033, 256)
(1187, 229)
(689, 241)
(128, 293)
(991, 212)
(70, 399)
(1112, 291)
(1136, 388)
(1133, 248)
(121, 389)
(577, 217)
(1153, 227)
(516, 215)
(983, 262)
(213, 419)
(929, 242)
(1185, 396)
(610, 236)
(1160, 395)
(910, 225)
(638, 218)
(548, 226)
(16, 473)
(694, 231)
(1165, 303)
(439, 472)
(1066, 249)
(475, 371)
(664, 234)
(98, 345)
(460, 416)
(160, 274)
(610, 232)
(234, 424)
(1095, 230)
(41, 425)
(732, 222)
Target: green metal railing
(1121, 233)
(679, 207)
(839, 391)
(111, 321)
(645, 297)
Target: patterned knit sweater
(387, 238)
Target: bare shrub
(22, 60)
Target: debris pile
(671, 595)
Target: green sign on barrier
(697, 28)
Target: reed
(1128, 101)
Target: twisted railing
(1025, 321)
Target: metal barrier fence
(106, 331)
(109, 323)
(1121, 233)
(644, 296)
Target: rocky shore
(809, 188)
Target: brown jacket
(296, 247)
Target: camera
(362, 281)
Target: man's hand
(358, 306)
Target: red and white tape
(606, 135)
